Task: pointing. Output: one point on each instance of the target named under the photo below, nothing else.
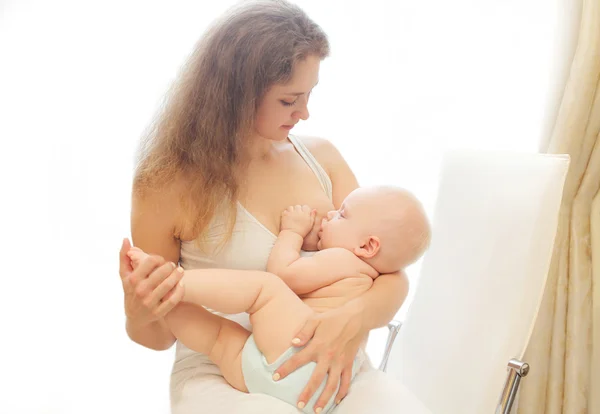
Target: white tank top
(248, 249)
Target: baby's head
(385, 226)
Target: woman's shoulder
(342, 178)
(323, 150)
(315, 143)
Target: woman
(216, 170)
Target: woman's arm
(143, 323)
(156, 335)
(378, 305)
(152, 229)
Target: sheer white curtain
(79, 82)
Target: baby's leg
(202, 331)
(276, 313)
(219, 338)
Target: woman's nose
(303, 113)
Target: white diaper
(258, 376)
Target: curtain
(563, 351)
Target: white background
(79, 81)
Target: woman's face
(284, 105)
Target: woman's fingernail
(180, 283)
(174, 265)
(180, 269)
(318, 410)
(296, 341)
(276, 377)
(301, 405)
(338, 402)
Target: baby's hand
(299, 219)
(136, 255)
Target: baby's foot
(136, 255)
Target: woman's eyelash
(289, 103)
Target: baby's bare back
(338, 293)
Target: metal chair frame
(516, 370)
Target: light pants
(201, 389)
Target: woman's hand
(151, 290)
(335, 338)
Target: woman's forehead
(305, 75)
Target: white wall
(79, 82)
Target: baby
(377, 230)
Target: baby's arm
(306, 274)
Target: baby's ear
(369, 248)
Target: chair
(481, 282)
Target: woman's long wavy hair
(199, 134)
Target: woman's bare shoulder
(318, 146)
(342, 178)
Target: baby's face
(370, 218)
(348, 227)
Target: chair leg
(394, 328)
(516, 370)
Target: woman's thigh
(376, 392)
(212, 394)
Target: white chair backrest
(482, 279)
